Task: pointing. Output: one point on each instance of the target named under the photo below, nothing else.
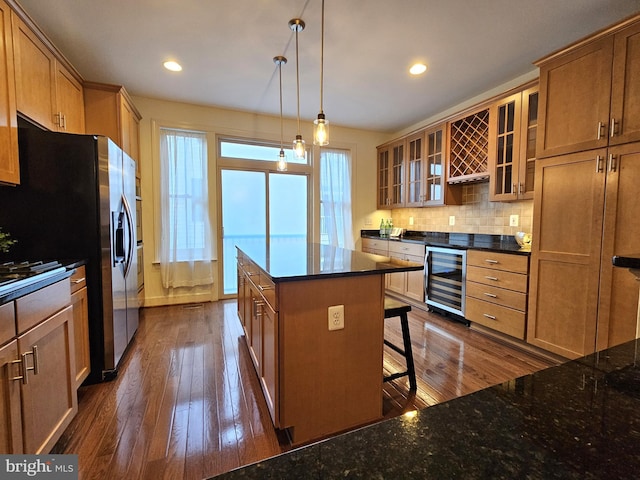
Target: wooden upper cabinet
(47, 91)
(625, 94)
(391, 175)
(9, 164)
(110, 111)
(70, 101)
(589, 92)
(415, 170)
(512, 153)
(469, 147)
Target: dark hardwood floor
(187, 402)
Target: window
(185, 241)
(335, 198)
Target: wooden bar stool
(395, 308)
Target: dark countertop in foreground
(295, 260)
(478, 241)
(579, 420)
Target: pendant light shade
(299, 150)
(282, 161)
(321, 124)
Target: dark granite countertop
(579, 420)
(478, 241)
(290, 261)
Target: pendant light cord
(281, 128)
(298, 80)
(321, 57)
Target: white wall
(220, 121)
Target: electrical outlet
(411, 221)
(368, 222)
(514, 220)
(452, 220)
(336, 317)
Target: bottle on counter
(382, 228)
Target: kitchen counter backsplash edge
(479, 241)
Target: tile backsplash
(476, 215)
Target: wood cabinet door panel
(575, 92)
(565, 253)
(625, 98)
(617, 316)
(270, 361)
(9, 164)
(70, 101)
(35, 76)
(80, 304)
(49, 400)
(10, 411)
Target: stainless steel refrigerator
(76, 201)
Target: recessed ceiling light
(418, 68)
(173, 66)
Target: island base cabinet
(49, 400)
(330, 380)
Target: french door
(263, 210)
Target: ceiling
(226, 48)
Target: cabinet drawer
(496, 317)
(498, 261)
(35, 307)
(376, 244)
(498, 278)
(7, 322)
(500, 296)
(79, 279)
(406, 248)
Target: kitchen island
(579, 420)
(313, 317)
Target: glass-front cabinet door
(383, 177)
(435, 167)
(397, 174)
(512, 151)
(415, 167)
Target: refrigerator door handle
(130, 227)
(426, 272)
(118, 237)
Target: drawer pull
(263, 288)
(489, 316)
(495, 279)
(488, 260)
(492, 295)
(79, 280)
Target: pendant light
(299, 150)
(282, 161)
(321, 124)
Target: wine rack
(469, 148)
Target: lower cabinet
(38, 396)
(49, 397)
(496, 291)
(80, 305)
(409, 284)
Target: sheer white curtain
(185, 243)
(335, 198)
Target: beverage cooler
(444, 285)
